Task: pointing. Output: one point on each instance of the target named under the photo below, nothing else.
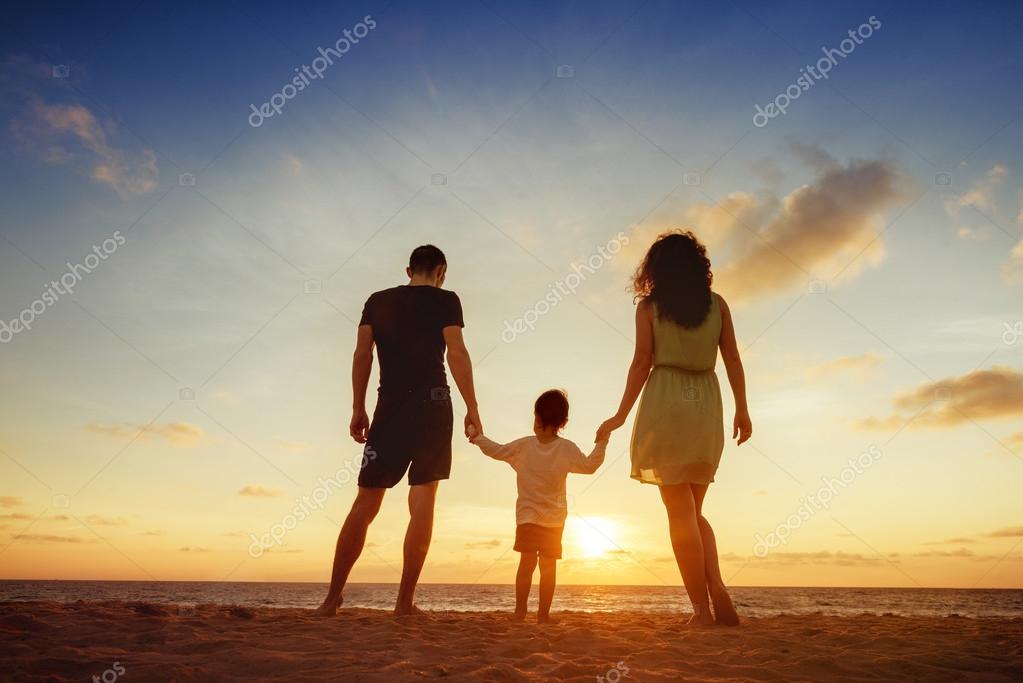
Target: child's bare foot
(724, 610)
(409, 611)
(545, 619)
(518, 616)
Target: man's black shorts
(410, 431)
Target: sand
(145, 642)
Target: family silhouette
(677, 439)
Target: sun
(594, 536)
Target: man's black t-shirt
(408, 323)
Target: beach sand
(148, 642)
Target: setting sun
(594, 536)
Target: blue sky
(248, 253)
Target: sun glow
(594, 536)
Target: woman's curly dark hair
(675, 276)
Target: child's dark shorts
(410, 432)
(545, 540)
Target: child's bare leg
(548, 579)
(523, 582)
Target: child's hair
(552, 408)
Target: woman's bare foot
(545, 619)
(724, 610)
(409, 611)
(329, 609)
(518, 616)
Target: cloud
(981, 194)
(188, 549)
(96, 520)
(18, 516)
(1015, 439)
(12, 501)
(153, 532)
(857, 365)
(1009, 532)
(493, 543)
(1012, 271)
(977, 395)
(256, 491)
(821, 228)
(179, 434)
(953, 541)
(50, 538)
(822, 557)
(969, 234)
(961, 552)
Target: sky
(188, 238)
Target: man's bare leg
(421, 499)
(350, 542)
(523, 582)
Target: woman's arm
(639, 369)
(742, 426)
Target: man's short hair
(425, 259)
(552, 408)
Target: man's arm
(362, 366)
(461, 371)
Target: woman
(678, 434)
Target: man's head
(427, 264)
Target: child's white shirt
(541, 470)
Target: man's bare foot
(518, 616)
(409, 611)
(724, 610)
(545, 619)
(704, 618)
(329, 609)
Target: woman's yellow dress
(678, 435)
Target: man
(411, 326)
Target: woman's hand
(742, 427)
(606, 427)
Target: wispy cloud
(981, 194)
(179, 434)
(51, 538)
(12, 502)
(977, 395)
(856, 365)
(1008, 532)
(191, 549)
(1012, 271)
(256, 491)
(493, 543)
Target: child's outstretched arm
(588, 464)
(497, 451)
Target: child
(541, 463)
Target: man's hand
(473, 426)
(608, 426)
(742, 427)
(359, 426)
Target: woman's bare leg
(723, 609)
(523, 582)
(687, 545)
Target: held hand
(359, 426)
(473, 426)
(742, 428)
(608, 426)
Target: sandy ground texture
(146, 642)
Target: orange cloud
(977, 395)
(1010, 532)
(180, 434)
(256, 491)
(12, 501)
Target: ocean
(750, 601)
